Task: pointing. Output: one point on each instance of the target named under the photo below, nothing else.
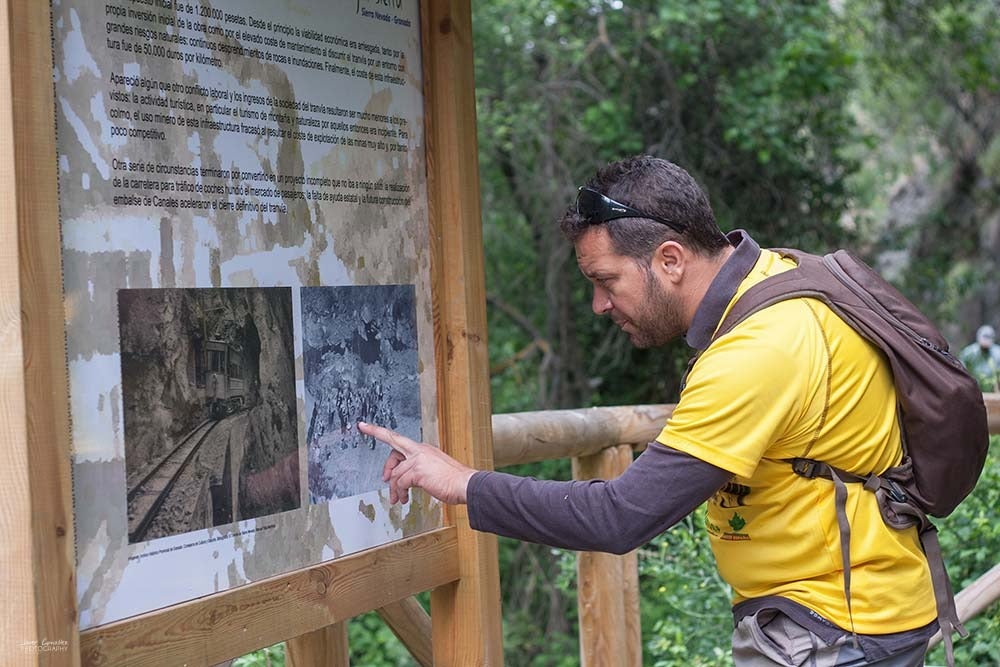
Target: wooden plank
(408, 620)
(466, 614)
(630, 602)
(326, 647)
(241, 620)
(607, 589)
(36, 487)
(527, 437)
(19, 631)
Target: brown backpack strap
(798, 282)
(811, 469)
(944, 596)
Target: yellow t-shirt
(794, 380)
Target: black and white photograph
(208, 390)
(360, 352)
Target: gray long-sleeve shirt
(659, 489)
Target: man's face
(630, 294)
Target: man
(982, 358)
(791, 380)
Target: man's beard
(658, 321)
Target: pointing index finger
(397, 441)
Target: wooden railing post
(326, 647)
(608, 588)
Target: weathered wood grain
(37, 551)
(327, 646)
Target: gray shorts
(769, 639)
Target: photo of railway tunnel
(360, 362)
(208, 391)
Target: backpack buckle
(807, 468)
(895, 490)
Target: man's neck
(702, 276)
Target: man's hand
(416, 464)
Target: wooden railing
(601, 443)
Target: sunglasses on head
(598, 208)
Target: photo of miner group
(360, 359)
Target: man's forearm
(659, 489)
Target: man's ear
(670, 261)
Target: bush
(970, 541)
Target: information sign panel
(246, 262)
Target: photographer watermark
(44, 645)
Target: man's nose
(601, 303)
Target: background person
(982, 358)
(791, 380)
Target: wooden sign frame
(37, 556)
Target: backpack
(941, 411)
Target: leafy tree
(929, 86)
(751, 101)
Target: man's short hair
(986, 333)
(657, 187)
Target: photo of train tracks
(208, 389)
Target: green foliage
(686, 618)
(970, 542)
(272, 656)
(373, 644)
(532, 635)
(751, 100)
(929, 87)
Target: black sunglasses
(598, 208)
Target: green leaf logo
(737, 522)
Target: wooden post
(993, 411)
(630, 602)
(36, 555)
(608, 585)
(466, 614)
(326, 647)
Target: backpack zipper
(874, 304)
